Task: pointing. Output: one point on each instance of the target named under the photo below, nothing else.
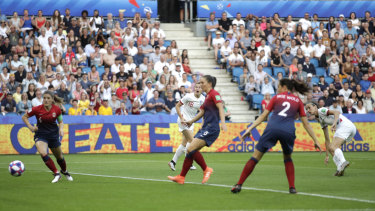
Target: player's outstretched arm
(311, 133)
(337, 116)
(220, 106)
(25, 119)
(196, 118)
(327, 142)
(260, 119)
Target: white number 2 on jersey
(287, 106)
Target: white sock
(336, 161)
(340, 156)
(187, 146)
(180, 150)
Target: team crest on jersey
(53, 114)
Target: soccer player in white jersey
(187, 108)
(344, 131)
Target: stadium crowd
(97, 66)
(122, 66)
(336, 58)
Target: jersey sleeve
(33, 111)
(323, 111)
(301, 109)
(216, 98)
(185, 99)
(271, 103)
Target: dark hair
(211, 79)
(54, 97)
(294, 85)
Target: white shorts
(182, 127)
(345, 131)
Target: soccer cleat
(236, 188)
(342, 168)
(178, 179)
(57, 177)
(292, 190)
(172, 165)
(193, 167)
(67, 175)
(206, 174)
(336, 173)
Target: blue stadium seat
(315, 80)
(329, 80)
(100, 70)
(189, 78)
(320, 71)
(268, 70)
(11, 114)
(257, 100)
(277, 70)
(237, 72)
(67, 106)
(86, 69)
(167, 43)
(315, 62)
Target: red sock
(62, 164)
(289, 170)
(50, 164)
(186, 166)
(249, 167)
(200, 160)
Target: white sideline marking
(228, 186)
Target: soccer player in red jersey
(212, 111)
(47, 133)
(285, 107)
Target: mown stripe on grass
(228, 186)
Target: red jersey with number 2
(285, 107)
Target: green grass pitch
(33, 190)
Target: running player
(212, 111)
(285, 107)
(343, 128)
(47, 133)
(190, 105)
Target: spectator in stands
(114, 103)
(121, 110)
(357, 75)
(235, 59)
(365, 83)
(84, 102)
(170, 101)
(276, 60)
(335, 106)
(307, 49)
(333, 91)
(266, 101)
(225, 24)
(328, 101)
(212, 26)
(8, 105)
(305, 22)
(345, 91)
(251, 88)
(267, 86)
(339, 30)
(360, 108)
(317, 93)
(91, 111)
(323, 85)
(105, 109)
(24, 104)
(260, 74)
(156, 104)
(349, 109)
(308, 67)
(38, 100)
(368, 102)
(12, 84)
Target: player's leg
(247, 170)
(180, 150)
(57, 152)
(338, 155)
(42, 148)
(189, 136)
(289, 170)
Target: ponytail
(211, 79)
(294, 85)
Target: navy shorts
(182, 4)
(270, 138)
(208, 134)
(52, 142)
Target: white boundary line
(228, 186)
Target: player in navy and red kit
(212, 111)
(47, 133)
(286, 107)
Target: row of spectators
(335, 57)
(112, 66)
